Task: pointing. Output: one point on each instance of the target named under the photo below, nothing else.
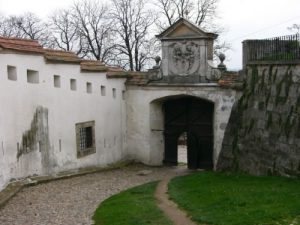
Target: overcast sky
(243, 19)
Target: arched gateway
(195, 117)
(183, 94)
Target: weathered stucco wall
(44, 117)
(145, 117)
(263, 134)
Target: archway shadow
(195, 117)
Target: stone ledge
(275, 62)
(184, 84)
(10, 191)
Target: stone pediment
(184, 29)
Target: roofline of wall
(20, 52)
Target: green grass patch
(135, 206)
(228, 199)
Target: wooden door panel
(194, 116)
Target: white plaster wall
(19, 101)
(145, 117)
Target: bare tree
(27, 25)
(9, 28)
(31, 26)
(94, 29)
(201, 12)
(132, 23)
(65, 33)
(166, 9)
(295, 28)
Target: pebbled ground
(73, 201)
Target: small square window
(114, 93)
(56, 80)
(102, 90)
(73, 84)
(32, 76)
(12, 73)
(85, 138)
(89, 87)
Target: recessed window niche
(73, 85)
(32, 76)
(89, 87)
(123, 95)
(12, 73)
(114, 93)
(102, 90)
(56, 80)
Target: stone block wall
(263, 133)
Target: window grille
(85, 137)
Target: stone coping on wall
(228, 80)
(58, 56)
(21, 45)
(184, 84)
(93, 66)
(277, 62)
(235, 86)
(231, 80)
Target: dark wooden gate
(194, 116)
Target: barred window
(85, 138)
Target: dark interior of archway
(195, 117)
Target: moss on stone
(251, 125)
(270, 74)
(262, 84)
(278, 112)
(261, 106)
(285, 82)
(254, 79)
(235, 151)
(298, 129)
(298, 102)
(275, 75)
(288, 81)
(268, 98)
(289, 123)
(269, 121)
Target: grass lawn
(135, 206)
(227, 199)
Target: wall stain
(37, 139)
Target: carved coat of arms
(184, 58)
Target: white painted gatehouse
(61, 113)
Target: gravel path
(73, 201)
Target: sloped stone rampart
(263, 133)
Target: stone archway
(195, 117)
